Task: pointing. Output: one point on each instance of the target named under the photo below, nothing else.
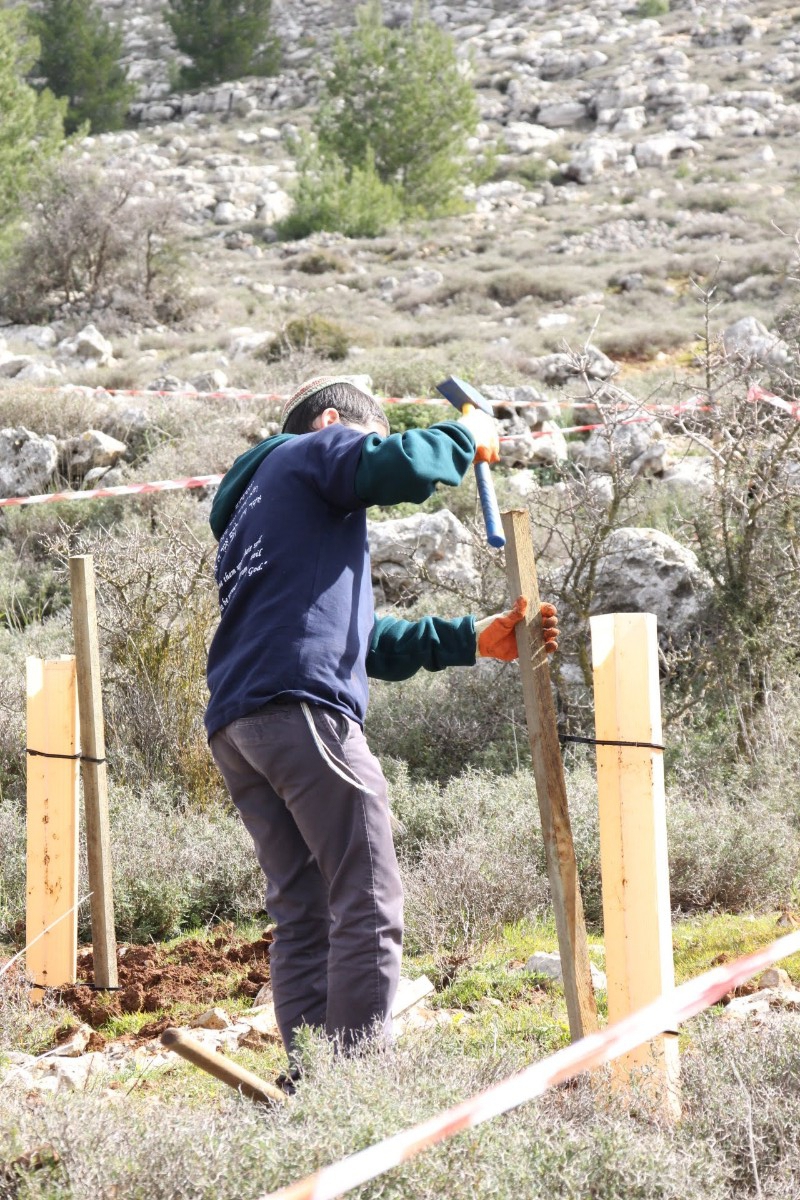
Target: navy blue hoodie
(293, 572)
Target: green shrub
(331, 196)
(397, 97)
(319, 262)
(414, 416)
(79, 59)
(317, 334)
(224, 40)
(176, 868)
(173, 868)
(32, 126)
(652, 8)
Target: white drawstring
(347, 774)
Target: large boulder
(644, 570)
(27, 462)
(751, 341)
(624, 443)
(88, 347)
(90, 450)
(424, 548)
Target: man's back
(294, 581)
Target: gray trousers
(325, 846)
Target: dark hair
(353, 406)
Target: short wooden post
(548, 770)
(52, 822)
(93, 767)
(633, 840)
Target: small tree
(399, 94)
(31, 125)
(94, 242)
(328, 196)
(225, 39)
(79, 59)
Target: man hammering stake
(287, 675)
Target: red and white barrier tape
(663, 1014)
(755, 394)
(129, 489)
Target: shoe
(287, 1081)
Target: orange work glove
(484, 430)
(496, 636)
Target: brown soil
(152, 978)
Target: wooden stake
(95, 781)
(548, 770)
(633, 840)
(52, 822)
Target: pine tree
(399, 94)
(31, 124)
(225, 39)
(79, 59)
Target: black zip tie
(46, 754)
(587, 741)
(94, 987)
(72, 757)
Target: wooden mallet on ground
(239, 1078)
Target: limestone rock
(644, 570)
(544, 447)
(12, 364)
(406, 551)
(89, 347)
(91, 450)
(27, 461)
(211, 381)
(550, 965)
(748, 339)
(618, 442)
(214, 1018)
(659, 150)
(592, 159)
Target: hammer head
(460, 393)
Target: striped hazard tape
(593, 1051)
(696, 404)
(127, 489)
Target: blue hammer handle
(464, 396)
(491, 513)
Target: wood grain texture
(52, 823)
(548, 771)
(637, 917)
(95, 780)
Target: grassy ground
(176, 1132)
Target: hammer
(465, 398)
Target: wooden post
(95, 783)
(633, 840)
(548, 770)
(52, 822)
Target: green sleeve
(408, 466)
(398, 649)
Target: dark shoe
(287, 1081)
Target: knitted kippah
(310, 388)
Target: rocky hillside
(635, 156)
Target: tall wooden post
(548, 770)
(52, 822)
(95, 782)
(633, 840)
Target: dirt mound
(153, 978)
